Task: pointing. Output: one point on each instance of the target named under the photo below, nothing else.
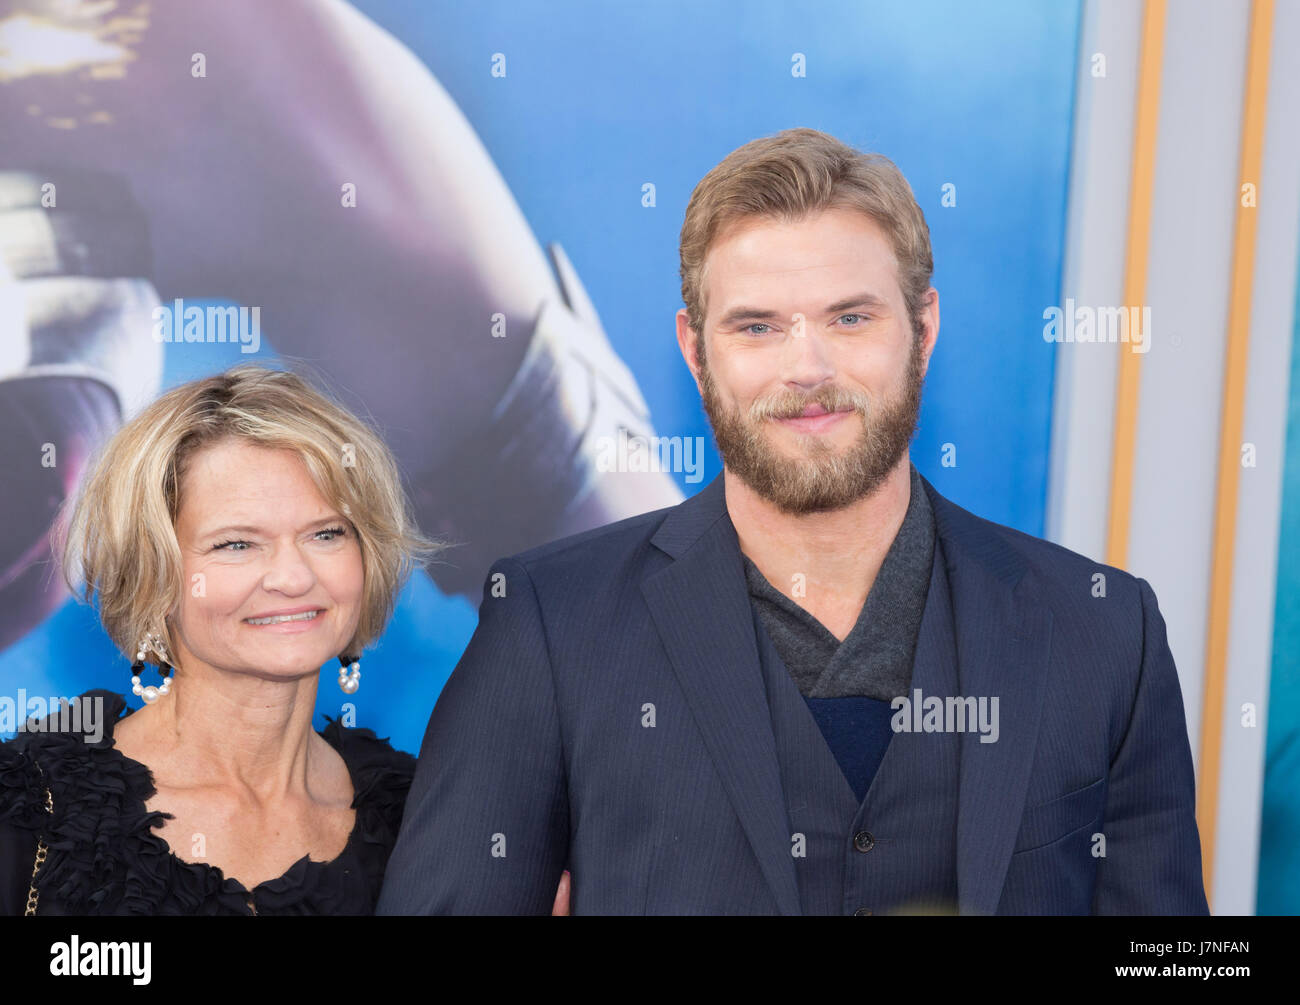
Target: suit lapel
(701, 608)
(1003, 639)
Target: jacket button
(863, 841)
(862, 912)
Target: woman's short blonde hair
(118, 542)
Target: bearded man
(817, 686)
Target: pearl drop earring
(149, 693)
(349, 681)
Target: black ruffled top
(104, 857)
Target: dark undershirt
(848, 685)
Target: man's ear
(687, 343)
(930, 320)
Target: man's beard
(824, 478)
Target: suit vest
(896, 852)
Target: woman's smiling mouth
(298, 619)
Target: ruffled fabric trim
(105, 858)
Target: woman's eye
(329, 534)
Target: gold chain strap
(42, 849)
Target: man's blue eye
(751, 328)
(856, 318)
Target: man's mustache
(791, 404)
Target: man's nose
(805, 357)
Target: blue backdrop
(600, 99)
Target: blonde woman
(238, 534)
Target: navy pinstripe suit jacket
(608, 716)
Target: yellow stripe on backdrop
(1230, 429)
(1141, 186)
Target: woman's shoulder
(58, 752)
(375, 764)
(381, 777)
(63, 779)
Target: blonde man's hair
(795, 174)
(119, 542)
